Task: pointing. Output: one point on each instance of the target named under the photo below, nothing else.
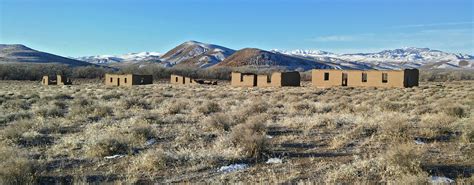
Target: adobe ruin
(177, 79)
(127, 80)
(277, 79)
(243, 79)
(56, 80)
(365, 78)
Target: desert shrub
(251, 138)
(102, 111)
(209, 107)
(62, 97)
(323, 108)
(51, 112)
(393, 106)
(111, 96)
(393, 126)
(456, 110)
(303, 108)
(16, 168)
(106, 146)
(219, 121)
(435, 125)
(256, 107)
(15, 116)
(134, 102)
(83, 102)
(14, 131)
(360, 132)
(175, 107)
(142, 132)
(17, 104)
(400, 163)
(152, 160)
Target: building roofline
(391, 70)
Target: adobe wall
(279, 79)
(46, 81)
(177, 79)
(267, 81)
(317, 78)
(62, 80)
(127, 80)
(395, 78)
(55, 80)
(374, 78)
(243, 79)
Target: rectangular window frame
(384, 77)
(364, 77)
(326, 76)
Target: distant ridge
(17, 53)
(261, 58)
(196, 54)
(202, 55)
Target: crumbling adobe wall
(243, 79)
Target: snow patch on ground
(114, 156)
(232, 168)
(274, 161)
(441, 180)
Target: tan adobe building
(243, 79)
(127, 80)
(279, 79)
(368, 78)
(177, 79)
(58, 80)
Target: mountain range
(202, 55)
(16, 53)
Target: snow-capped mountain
(196, 54)
(202, 55)
(129, 57)
(392, 59)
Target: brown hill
(16, 53)
(262, 58)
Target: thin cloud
(334, 38)
(452, 40)
(434, 24)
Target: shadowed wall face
(370, 78)
(243, 79)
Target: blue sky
(91, 27)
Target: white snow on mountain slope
(392, 59)
(129, 57)
(193, 53)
